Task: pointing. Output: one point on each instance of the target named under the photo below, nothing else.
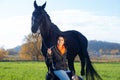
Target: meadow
(37, 70)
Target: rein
(43, 42)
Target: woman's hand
(49, 51)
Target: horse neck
(45, 26)
(48, 27)
(49, 32)
(55, 29)
(49, 39)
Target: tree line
(31, 49)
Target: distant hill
(14, 51)
(104, 48)
(17, 48)
(96, 45)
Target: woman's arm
(49, 51)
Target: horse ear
(35, 4)
(43, 6)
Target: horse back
(75, 40)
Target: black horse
(76, 42)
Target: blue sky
(96, 19)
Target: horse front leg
(44, 52)
(46, 62)
(49, 76)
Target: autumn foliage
(3, 53)
(30, 50)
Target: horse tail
(91, 73)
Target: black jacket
(56, 60)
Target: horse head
(37, 17)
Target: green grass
(37, 70)
(22, 71)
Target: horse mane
(47, 18)
(54, 27)
(51, 25)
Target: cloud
(13, 29)
(91, 24)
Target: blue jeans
(62, 75)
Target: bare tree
(31, 47)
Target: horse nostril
(33, 34)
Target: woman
(57, 59)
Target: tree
(114, 51)
(31, 48)
(3, 53)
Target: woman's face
(60, 41)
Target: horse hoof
(80, 78)
(76, 77)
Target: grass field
(37, 70)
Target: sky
(96, 19)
